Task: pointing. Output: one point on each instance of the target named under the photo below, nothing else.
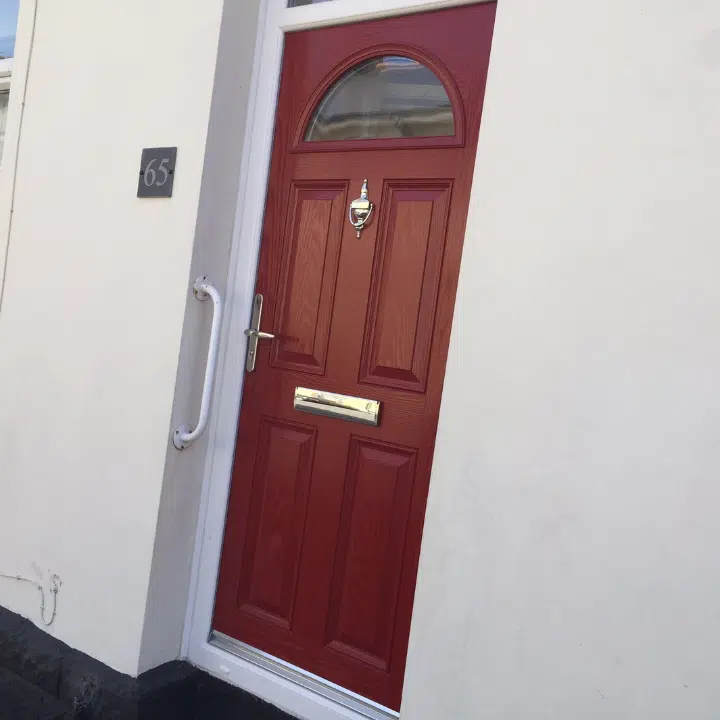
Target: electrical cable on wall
(55, 583)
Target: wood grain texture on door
(307, 277)
(409, 255)
(325, 516)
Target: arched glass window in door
(385, 97)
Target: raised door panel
(276, 522)
(405, 282)
(307, 276)
(370, 550)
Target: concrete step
(216, 700)
(20, 700)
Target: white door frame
(275, 19)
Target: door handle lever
(254, 333)
(251, 332)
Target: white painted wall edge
(17, 67)
(215, 224)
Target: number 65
(151, 175)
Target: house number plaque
(157, 172)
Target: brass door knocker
(361, 209)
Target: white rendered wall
(177, 523)
(571, 559)
(95, 297)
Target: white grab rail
(183, 436)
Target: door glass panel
(385, 97)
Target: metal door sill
(313, 683)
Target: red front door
(325, 515)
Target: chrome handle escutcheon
(361, 209)
(254, 333)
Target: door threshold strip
(346, 698)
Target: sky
(8, 23)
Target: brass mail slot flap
(344, 407)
